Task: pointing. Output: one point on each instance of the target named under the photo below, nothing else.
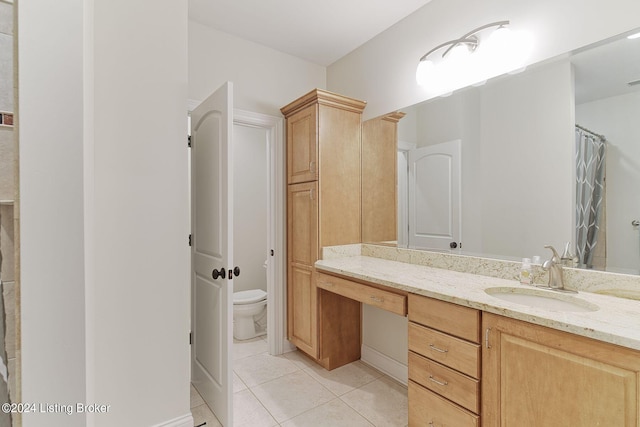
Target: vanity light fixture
(473, 58)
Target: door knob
(235, 271)
(219, 273)
(453, 245)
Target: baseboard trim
(183, 421)
(384, 363)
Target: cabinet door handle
(486, 337)
(312, 167)
(312, 194)
(439, 350)
(442, 383)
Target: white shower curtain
(590, 167)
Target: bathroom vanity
(475, 359)
(482, 348)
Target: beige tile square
(242, 349)
(345, 378)
(258, 369)
(333, 414)
(202, 414)
(238, 385)
(292, 395)
(249, 412)
(301, 360)
(196, 399)
(383, 402)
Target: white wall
(382, 72)
(615, 117)
(250, 207)
(52, 196)
(105, 261)
(264, 79)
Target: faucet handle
(555, 257)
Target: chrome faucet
(554, 267)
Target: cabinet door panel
(438, 315)
(450, 351)
(453, 385)
(302, 235)
(302, 146)
(302, 305)
(302, 218)
(535, 376)
(427, 409)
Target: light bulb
(499, 41)
(425, 72)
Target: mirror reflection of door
(434, 196)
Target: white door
(434, 196)
(212, 252)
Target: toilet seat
(249, 297)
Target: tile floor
(292, 391)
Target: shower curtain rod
(590, 131)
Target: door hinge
(190, 339)
(189, 140)
(190, 239)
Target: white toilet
(249, 314)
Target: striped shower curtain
(590, 167)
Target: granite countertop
(616, 321)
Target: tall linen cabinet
(323, 209)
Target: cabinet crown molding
(324, 97)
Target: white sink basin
(548, 300)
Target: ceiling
(319, 31)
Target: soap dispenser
(526, 272)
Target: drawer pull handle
(431, 424)
(438, 382)
(439, 350)
(376, 299)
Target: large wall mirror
(516, 187)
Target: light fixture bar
(468, 39)
(463, 63)
(473, 42)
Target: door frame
(403, 192)
(277, 229)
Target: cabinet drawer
(448, 383)
(371, 295)
(450, 351)
(428, 409)
(463, 322)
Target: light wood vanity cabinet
(380, 178)
(444, 363)
(537, 376)
(323, 209)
